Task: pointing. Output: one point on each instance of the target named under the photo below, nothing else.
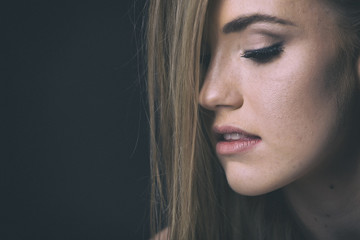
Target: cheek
(296, 105)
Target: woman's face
(273, 85)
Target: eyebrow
(241, 23)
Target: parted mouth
(228, 133)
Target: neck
(327, 201)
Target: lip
(245, 143)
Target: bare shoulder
(163, 235)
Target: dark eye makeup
(264, 55)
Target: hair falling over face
(191, 196)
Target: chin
(252, 186)
(251, 191)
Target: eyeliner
(267, 51)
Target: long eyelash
(266, 54)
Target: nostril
(209, 97)
(213, 97)
(220, 89)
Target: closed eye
(264, 55)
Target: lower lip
(238, 146)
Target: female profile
(254, 111)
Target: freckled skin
(290, 102)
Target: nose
(220, 89)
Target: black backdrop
(74, 163)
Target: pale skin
(290, 102)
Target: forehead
(301, 12)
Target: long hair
(190, 194)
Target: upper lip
(219, 132)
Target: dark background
(74, 158)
